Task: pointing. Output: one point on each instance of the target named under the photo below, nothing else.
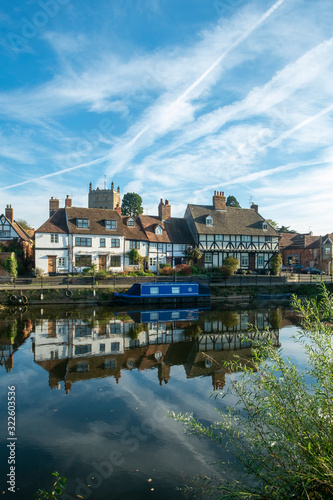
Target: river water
(93, 388)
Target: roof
(233, 220)
(57, 223)
(174, 230)
(296, 240)
(135, 232)
(21, 233)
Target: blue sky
(171, 99)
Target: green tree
(11, 265)
(275, 264)
(192, 254)
(285, 229)
(24, 224)
(232, 263)
(280, 434)
(274, 224)
(232, 202)
(131, 204)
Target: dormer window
(82, 223)
(130, 222)
(209, 220)
(110, 224)
(264, 226)
(158, 230)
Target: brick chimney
(118, 209)
(219, 201)
(68, 202)
(54, 205)
(164, 210)
(255, 207)
(9, 213)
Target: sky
(170, 99)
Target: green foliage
(24, 224)
(280, 433)
(134, 256)
(232, 202)
(55, 491)
(273, 224)
(131, 204)
(11, 265)
(275, 264)
(232, 263)
(192, 254)
(226, 271)
(285, 229)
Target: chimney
(9, 213)
(164, 210)
(54, 205)
(68, 202)
(219, 201)
(118, 209)
(255, 207)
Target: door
(252, 261)
(52, 264)
(102, 262)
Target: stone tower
(104, 198)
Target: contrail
(195, 84)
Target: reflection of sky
(69, 432)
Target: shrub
(275, 264)
(225, 271)
(183, 270)
(232, 263)
(101, 275)
(280, 433)
(167, 271)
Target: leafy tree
(11, 265)
(134, 256)
(279, 433)
(275, 264)
(131, 204)
(192, 254)
(232, 263)
(24, 224)
(232, 202)
(285, 229)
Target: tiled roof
(296, 240)
(135, 232)
(174, 230)
(231, 221)
(55, 224)
(96, 217)
(22, 234)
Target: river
(93, 388)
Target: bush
(183, 270)
(167, 271)
(102, 275)
(280, 433)
(232, 263)
(226, 271)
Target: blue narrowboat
(164, 292)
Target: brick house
(302, 249)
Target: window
(153, 245)
(101, 347)
(134, 244)
(82, 367)
(264, 226)
(244, 260)
(260, 260)
(268, 238)
(54, 238)
(54, 354)
(158, 230)
(209, 220)
(110, 363)
(115, 243)
(130, 222)
(160, 247)
(82, 331)
(152, 261)
(82, 223)
(245, 237)
(110, 224)
(154, 316)
(154, 290)
(327, 250)
(219, 237)
(175, 289)
(115, 346)
(208, 258)
(82, 349)
(82, 260)
(175, 315)
(83, 242)
(102, 242)
(115, 261)
(61, 261)
(115, 328)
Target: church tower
(104, 198)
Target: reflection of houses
(11, 231)
(13, 335)
(72, 350)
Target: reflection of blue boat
(164, 292)
(169, 315)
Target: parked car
(286, 269)
(312, 270)
(297, 268)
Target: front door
(52, 264)
(102, 262)
(252, 262)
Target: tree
(285, 229)
(131, 204)
(273, 224)
(275, 264)
(11, 265)
(24, 224)
(279, 433)
(232, 263)
(192, 254)
(232, 202)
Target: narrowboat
(164, 292)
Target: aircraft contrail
(195, 84)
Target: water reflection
(74, 349)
